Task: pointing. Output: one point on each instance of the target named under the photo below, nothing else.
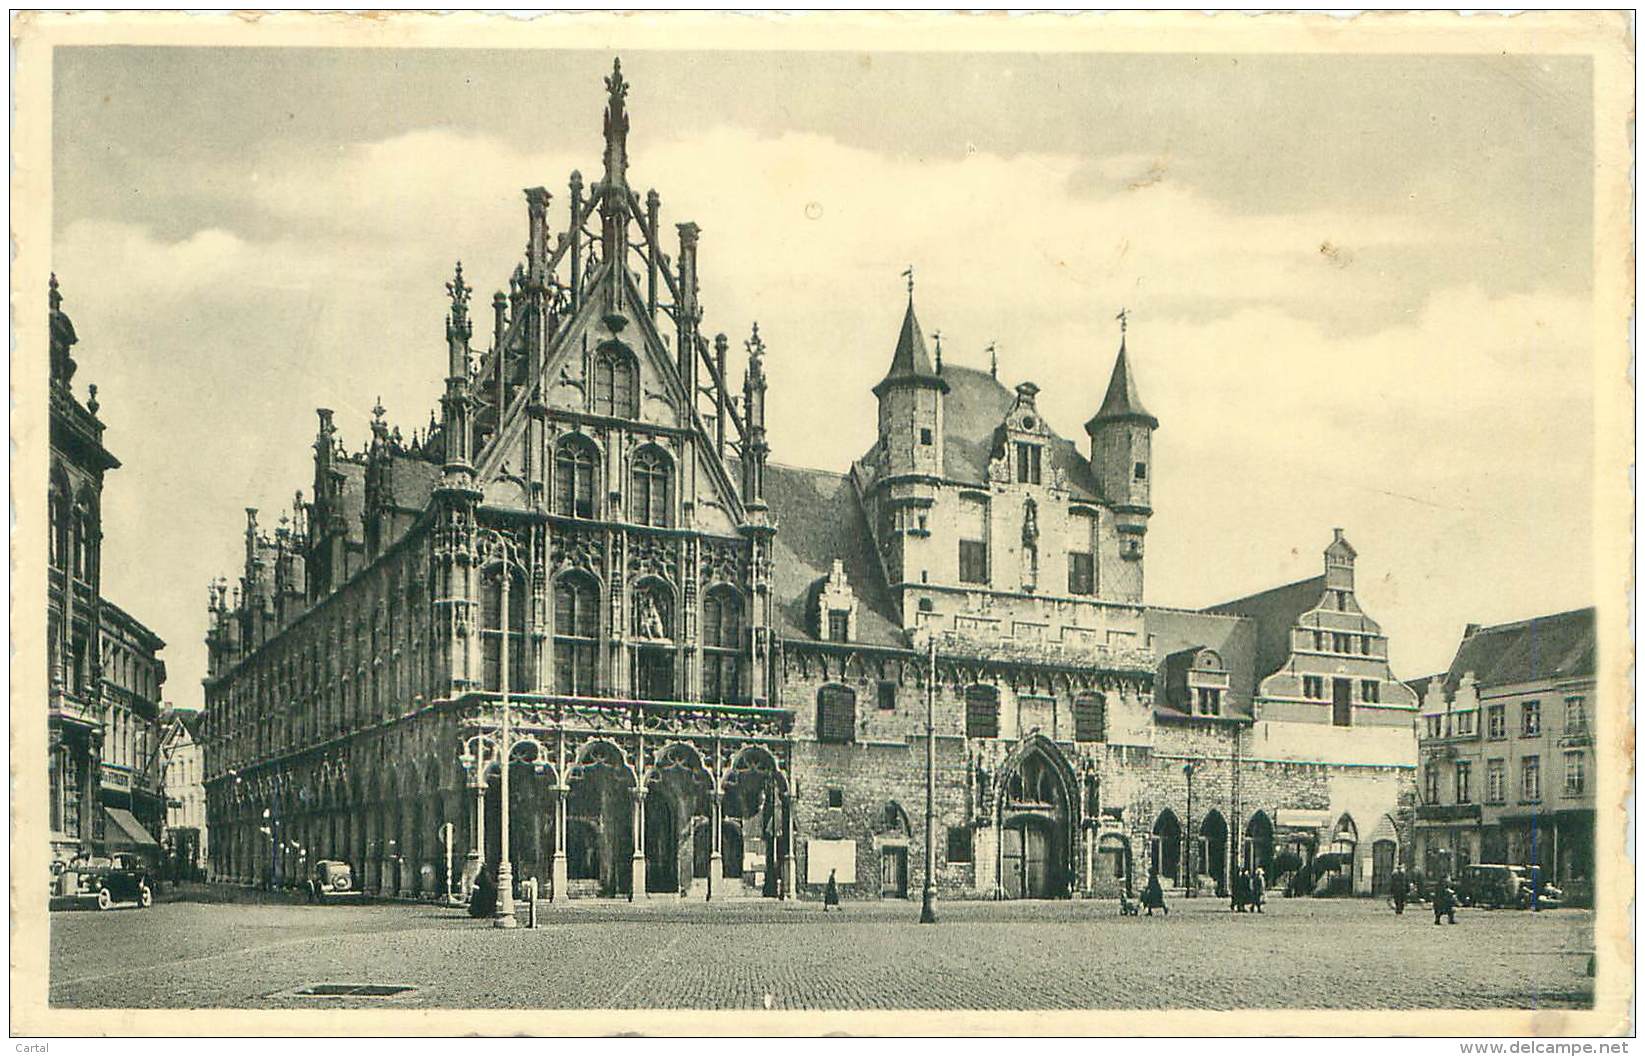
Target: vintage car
(120, 879)
(332, 879)
(1500, 885)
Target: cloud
(1448, 429)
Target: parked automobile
(1501, 885)
(332, 879)
(110, 880)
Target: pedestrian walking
(831, 892)
(1154, 896)
(1241, 888)
(1259, 882)
(1400, 888)
(1445, 903)
(482, 902)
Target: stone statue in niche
(650, 616)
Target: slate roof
(1122, 402)
(1559, 646)
(910, 363)
(1179, 631)
(973, 412)
(1275, 612)
(818, 520)
(190, 719)
(414, 481)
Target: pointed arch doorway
(1036, 818)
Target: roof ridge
(1513, 625)
(1267, 591)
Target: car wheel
(104, 900)
(145, 896)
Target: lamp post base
(928, 907)
(504, 918)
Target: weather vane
(1124, 314)
(908, 273)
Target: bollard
(531, 903)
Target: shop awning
(1297, 818)
(124, 831)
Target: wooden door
(1382, 865)
(1011, 862)
(894, 873)
(1038, 869)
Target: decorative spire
(756, 350)
(936, 336)
(993, 360)
(616, 127)
(459, 291)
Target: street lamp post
(1188, 840)
(928, 897)
(500, 551)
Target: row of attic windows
(837, 712)
(576, 481)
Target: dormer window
(1028, 463)
(839, 625)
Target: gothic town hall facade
(716, 668)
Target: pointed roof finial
(908, 273)
(616, 126)
(936, 336)
(993, 360)
(1124, 314)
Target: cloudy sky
(1360, 286)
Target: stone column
(637, 871)
(715, 866)
(1089, 863)
(561, 871)
(788, 849)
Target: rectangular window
(1430, 783)
(1340, 642)
(925, 437)
(1495, 782)
(836, 715)
(1313, 687)
(1140, 471)
(1576, 716)
(1365, 645)
(1082, 573)
(888, 695)
(1434, 725)
(1496, 722)
(1465, 774)
(1575, 773)
(1088, 717)
(836, 797)
(1530, 779)
(1370, 691)
(1319, 641)
(1465, 723)
(1210, 701)
(973, 535)
(982, 713)
(839, 625)
(1028, 463)
(1530, 719)
(959, 844)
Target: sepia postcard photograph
(787, 524)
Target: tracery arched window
(722, 636)
(491, 630)
(576, 631)
(574, 461)
(60, 519)
(650, 505)
(614, 388)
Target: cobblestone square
(1350, 954)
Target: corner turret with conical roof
(911, 403)
(1122, 451)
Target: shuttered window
(982, 712)
(836, 714)
(1088, 717)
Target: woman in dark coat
(1242, 891)
(482, 902)
(831, 893)
(1153, 896)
